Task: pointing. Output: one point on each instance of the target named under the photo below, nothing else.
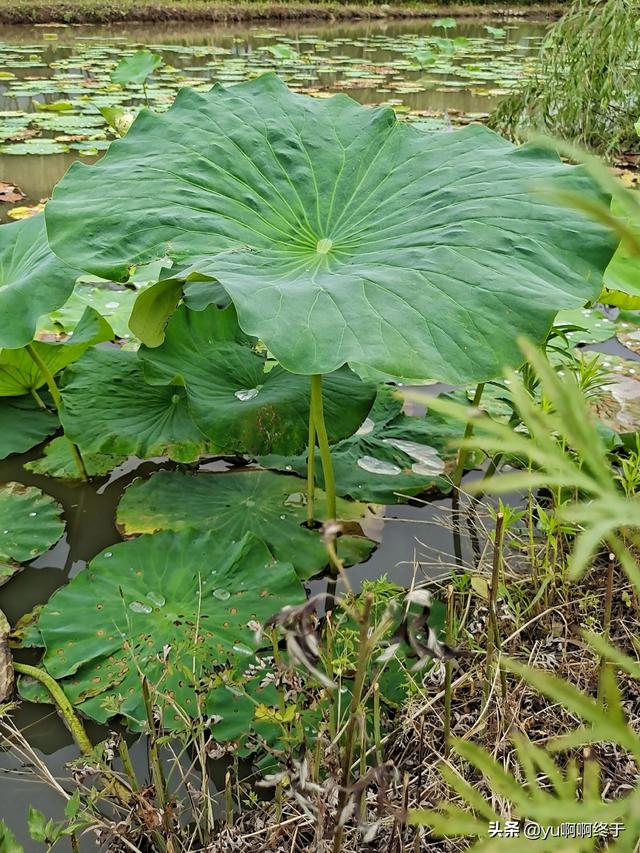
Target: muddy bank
(92, 12)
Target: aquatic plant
(341, 235)
(587, 86)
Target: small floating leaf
(30, 522)
(118, 631)
(233, 504)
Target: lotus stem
(311, 461)
(57, 401)
(323, 444)
(38, 399)
(64, 705)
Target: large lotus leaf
(391, 457)
(32, 280)
(30, 522)
(173, 606)
(23, 424)
(58, 461)
(268, 505)
(19, 373)
(107, 408)
(341, 234)
(237, 397)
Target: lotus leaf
(341, 234)
(32, 280)
(58, 461)
(19, 373)
(114, 305)
(237, 397)
(136, 68)
(30, 523)
(269, 505)
(174, 607)
(107, 408)
(390, 457)
(23, 424)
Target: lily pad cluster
(420, 69)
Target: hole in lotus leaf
(378, 466)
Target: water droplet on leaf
(367, 427)
(378, 466)
(246, 394)
(140, 607)
(221, 594)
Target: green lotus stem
(468, 432)
(323, 444)
(37, 398)
(311, 461)
(57, 401)
(64, 705)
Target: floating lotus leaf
(23, 424)
(19, 373)
(107, 408)
(32, 280)
(30, 523)
(341, 234)
(174, 607)
(585, 325)
(390, 457)
(59, 462)
(269, 505)
(237, 397)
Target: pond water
(435, 75)
(429, 73)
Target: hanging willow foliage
(587, 87)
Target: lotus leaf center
(324, 246)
